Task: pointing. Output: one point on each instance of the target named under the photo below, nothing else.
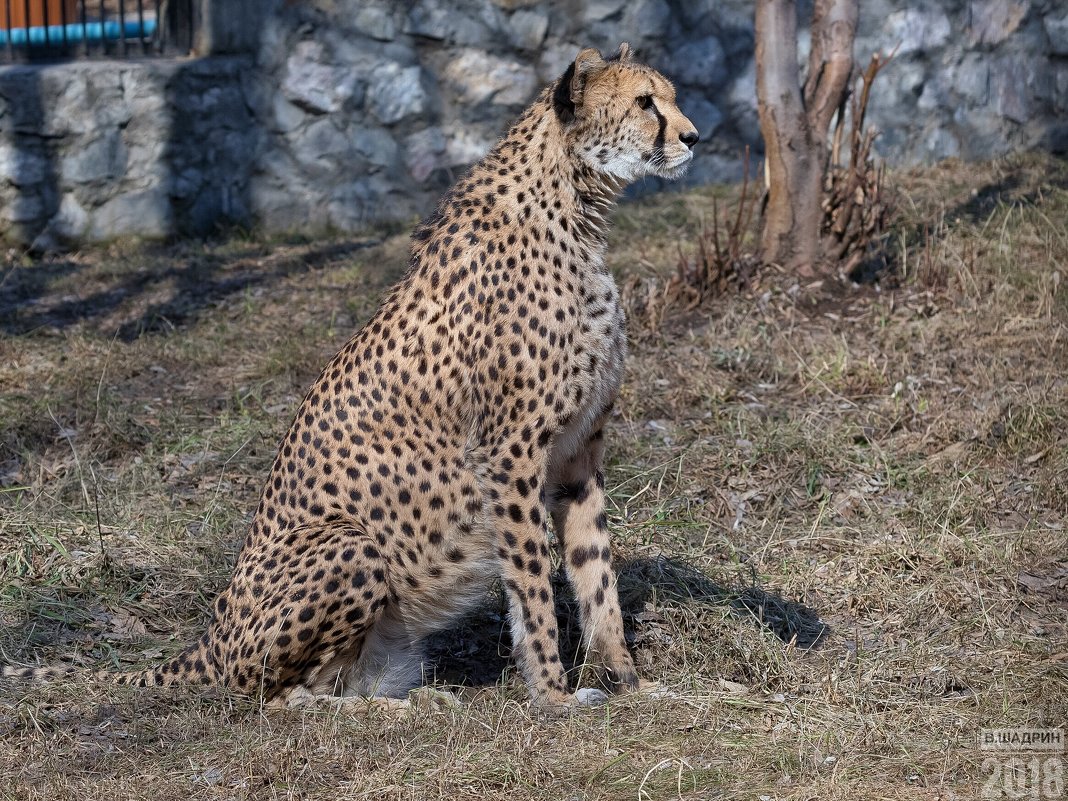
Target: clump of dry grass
(722, 260)
(893, 459)
(858, 207)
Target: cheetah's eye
(645, 101)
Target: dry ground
(895, 458)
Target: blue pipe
(77, 32)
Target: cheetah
(431, 454)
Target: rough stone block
(1056, 25)
(555, 58)
(24, 207)
(465, 145)
(322, 139)
(994, 21)
(462, 22)
(527, 29)
(396, 92)
(97, 160)
(423, 152)
(375, 145)
(481, 77)
(1012, 88)
(646, 20)
(699, 63)
(145, 213)
(313, 83)
(285, 116)
(66, 228)
(377, 20)
(971, 78)
(913, 30)
(602, 9)
(702, 113)
(23, 163)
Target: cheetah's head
(620, 117)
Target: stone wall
(334, 114)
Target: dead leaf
(124, 626)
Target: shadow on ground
(476, 653)
(166, 292)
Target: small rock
(591, 696)
(939, 144)
(26, 208)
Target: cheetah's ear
(571, 88)
(588, 63)
(623, 55)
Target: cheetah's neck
(537, 146)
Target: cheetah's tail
(191, 666)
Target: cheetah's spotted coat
(428, 457)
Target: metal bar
(141, 26)
(159, 28)
(63, 22)
(26, 22)
(122, 28)
(103, 25)
(10, 47)
(83, 7)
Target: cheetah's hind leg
(303, 625)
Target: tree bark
(795, 122)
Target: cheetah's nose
(689, 138)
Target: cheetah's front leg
(513, 479)
(576, 493)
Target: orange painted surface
(17, 11)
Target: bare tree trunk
(795, 124)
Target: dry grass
(896, 459)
